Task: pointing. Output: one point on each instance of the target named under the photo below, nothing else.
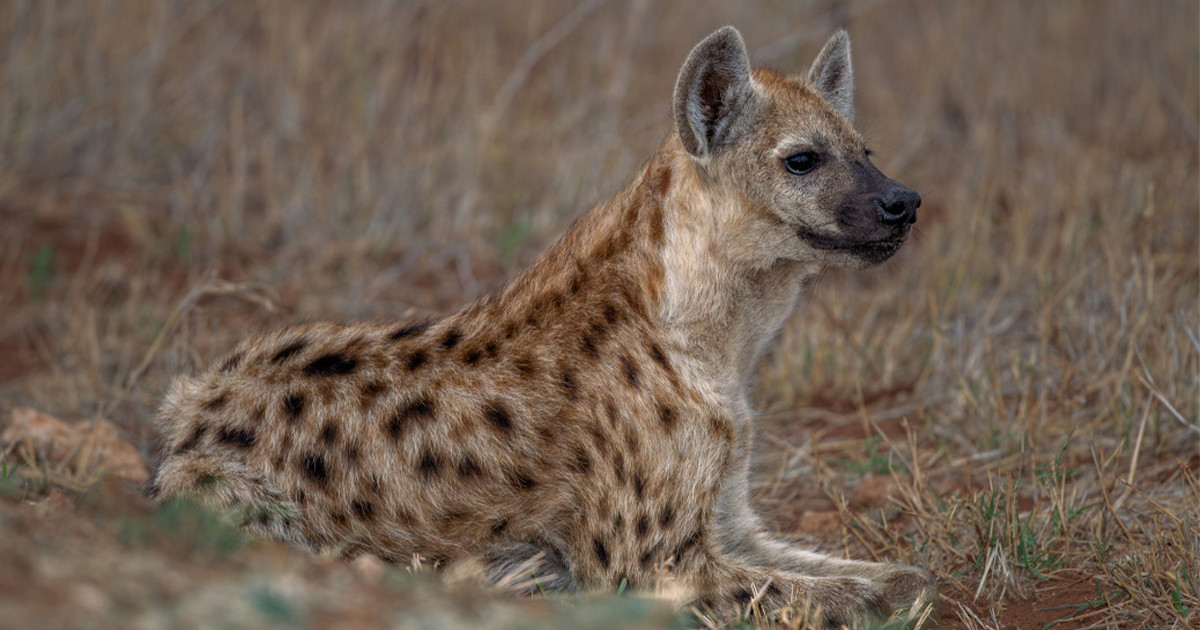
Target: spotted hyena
(588, 423)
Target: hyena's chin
(845, 252)
(876, 252)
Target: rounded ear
(832, 74)
(712, 84)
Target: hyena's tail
(192, 466)
(240, 493)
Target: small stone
(96, 443)
(820, 522)
(369, 567)
(872, 491)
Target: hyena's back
(339, 437)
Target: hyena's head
(786, 150)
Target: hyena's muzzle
(873, 222)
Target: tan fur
(590, 418)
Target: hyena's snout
(897, 205)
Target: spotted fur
(590, 418)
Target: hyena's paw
(826, 602)
(844, 602)
(910, 590)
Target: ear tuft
(713, 83)
(833, 75)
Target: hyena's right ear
(713, 84)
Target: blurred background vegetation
(177, 174)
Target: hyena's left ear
(712, 86)
(832, 74)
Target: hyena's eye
(801, 163)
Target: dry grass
(1014, 402)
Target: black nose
(898, 205)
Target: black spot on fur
(720, 428)
(587, 343)
(451, 338)
(405, 517)
(352, 453)
(329, 434)
(417, 410)
(631, 440)
(193, 440)
(568, 384)
(332, 364)
(639, 485)
(395, 426)
(409, 330)
(693, 541)
(293, 407)
(610, 314)
(370, 392)
(666, 414)
(260, 517)
(468, 467)
(313, 467)
(601, 550)
(232, 362)
(610, 412)
(207, 481)
(581, 462)
(491, 349)
(499, 526)
(216, 403)
(363, 509)
(656, 353)
(522, 480)
(643, 526)
(497, 414)
(631, 371)
(619, 466)
(646, 560)
(453, 514)
(471, 357)
(742, 596)
(666, 516)
(598, 439)
(526, 366)
(547, 436)
(430, 465)
(289, 350)
(240, 438)
(510, 330)
(416, 360)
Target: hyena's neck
(672, 255)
